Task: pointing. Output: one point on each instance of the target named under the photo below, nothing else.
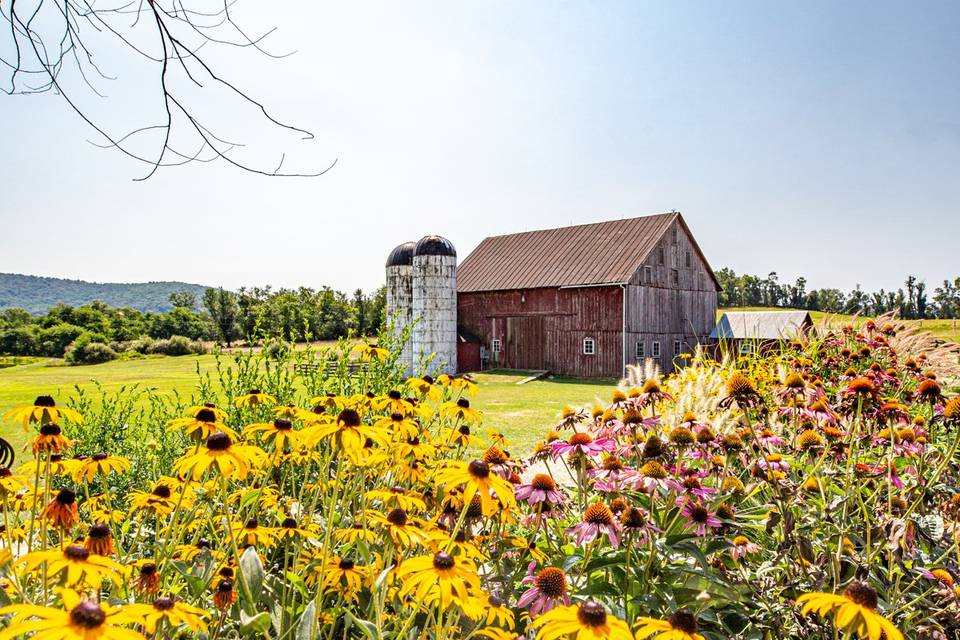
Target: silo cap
(434, 246)
(402, 255)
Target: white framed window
(655, 349)
(676, 347)
(647, 274)
(640, 350)
(496, 346)
(589, 346)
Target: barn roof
(581, 255)
(760, 325)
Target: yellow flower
(77, 621)
(280, 432)
(170, 610)
(202, 424)
(457, 383)
(404, 529)
(78, 566)
(348, 432)
(460, 410)
(251, 533)
(43, 410)
(253, 398)
(424, 388)
(100, 463)
(218, 414)
(682, 625)
(397, 497)
(399, 425)
(494, 491)
(371, 352)
(343, 575)
(438, 577)
(587, 621)
(855, 609)
(231, 460)
(161, 499)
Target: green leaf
(305, 627)
(254, 625)
(252, 570)
(368, 628)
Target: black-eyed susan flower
(344, 576)
(170, 611)
(74, 564)
(160, 500)
(99, 540)
(50, 439)
(348, 432)
(254, 398)
(461, 437)
(371, 352)
(44, 410)
(399, 425)
(224, 595)
(279, 432)
(201, 425)
(404, 530)
(855, 611)
(460, 384)
(78, 620)
(219, 414)
(460, 411)
(61, 511)
(682, 625)
(439, 577)
(397, 497)
(230, 460)
(147, 578)
(476, 480)
(586, 621)
(100, 463)
(251, 533)
(290, 529)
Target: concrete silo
(400, 297)
(435, 302)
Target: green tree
(183, 299)
(222, 307)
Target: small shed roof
(582, 255)
(760, 325)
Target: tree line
(97, 332)
(913, 300)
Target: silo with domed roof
(435, 303)
(400, 298)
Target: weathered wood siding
(544, 328)
(670, 298)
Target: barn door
(525, 342)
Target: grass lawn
(522, 412)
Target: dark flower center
(161, 491)
(76, 553)
(683, 620)
(464, 430)
(463, 403)
(633, 518)
(163, 604)
(598, 513)
(479, 469)
(66, 497)
(289, 523)
(50, 430)
(349, 418)
(88, 615)
(551, 582)
(394, 395)
(206, 415)
(592, 614)
(99, 456)
(428, 379)
(252, 523)
(863, 594)
(254, 392)
(699, 514)
(543, 482)
(225, 586)
(443, 561)
(99, 531)
(218, 441)
(44, 401)
(396, 417)
(148, 569)
(397, 517)
(346, 564)
(282, 424)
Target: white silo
(435, 302)
(400, 298)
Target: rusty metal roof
(582, 255)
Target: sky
(819, 139)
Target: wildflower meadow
(805, 491)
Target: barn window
(687, 260)
(701, 280)
(640, 354)
(746, 348)
(675, 277)
(674, 235)
(648, 274)
(495, 345)
(660, 255)
(676, 347)
(589, 346)
(655, 349)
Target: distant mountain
(36, 294)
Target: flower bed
(809, 493)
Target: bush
(178, 346)
(19, 341)
(55, 340)
(90, 353)
(142, 345)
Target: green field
(522, 412)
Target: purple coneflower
(582, 444)
(597, 521)
(549, 589)
(699, 517)
(542, 488)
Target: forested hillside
(36, 294)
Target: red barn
(587, 300)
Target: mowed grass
(523, 413)
(943, 329)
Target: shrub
(19, 341)
(178, 346)
(55, 340)
(142, 345)
(89, 348)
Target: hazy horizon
(810, 139)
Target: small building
(748, 331)
(589, 299)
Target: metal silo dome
(401, 255)
(434, 246)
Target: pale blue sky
(807, 138)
